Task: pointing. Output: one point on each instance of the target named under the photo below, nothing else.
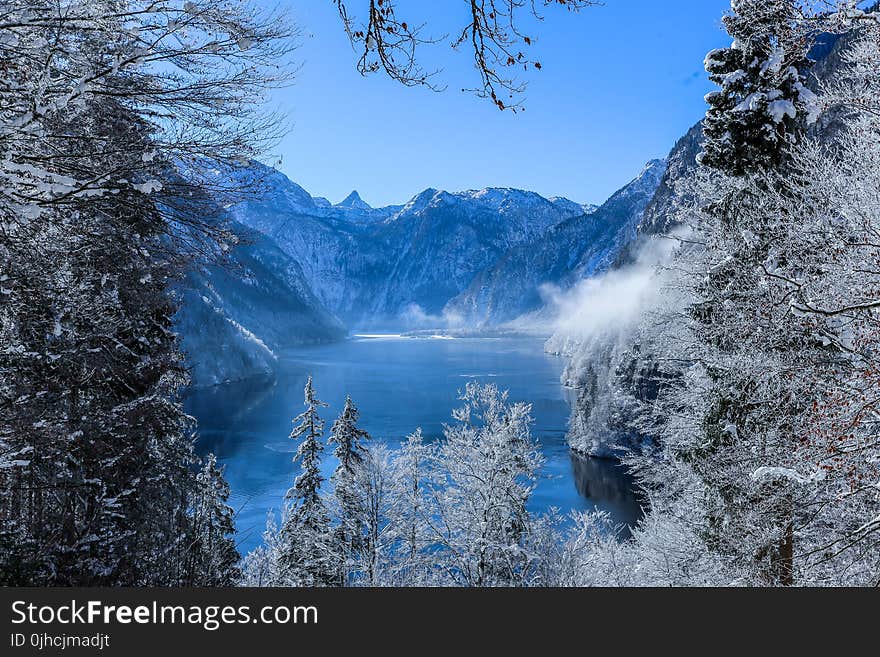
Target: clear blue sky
(620, 83)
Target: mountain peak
(354, 201)
(655, 165)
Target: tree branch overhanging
(491, 31)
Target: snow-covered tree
(485, 469)
(451, 513)
(211, 553)
(263, 566)
(411, 562)
(97, 447)
(770, 449)
(104, 105)
(348, 437)
(308, 557)
(763, 101)
(374, 484)
(751, 130)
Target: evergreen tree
(212, 553)
(763, 101)
(766, 432)
(348, 438)
(308, 554)
(92, 369)
(751, 130)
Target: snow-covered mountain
(235, 316)
(442, 240)
(572, 206)
(577, 248)
(396, 264)
(354, 202)
(476, 258)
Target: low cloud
(415, 317)
(613, 301)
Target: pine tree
(308, 557)
(212, 554)
(763, 101)
(752, 127)
(348, 438)
(89, 351)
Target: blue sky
(620, 83)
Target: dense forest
(757, 391)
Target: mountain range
(308, 270)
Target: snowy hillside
(233, 318)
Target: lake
(399, 384)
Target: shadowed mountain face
(233, 318)
(445, 240)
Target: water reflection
(610, 486)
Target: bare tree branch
(491, 30)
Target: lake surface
(398, 384)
